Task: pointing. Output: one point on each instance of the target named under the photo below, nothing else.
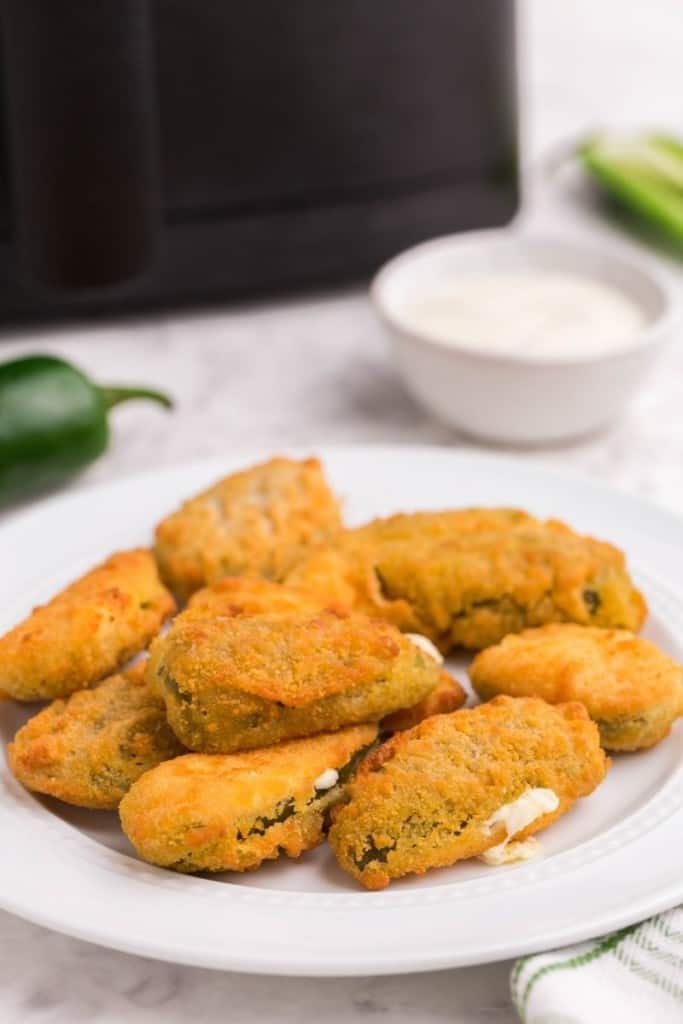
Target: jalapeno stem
(114, 396)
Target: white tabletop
(314, 370)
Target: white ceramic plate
(614, 859)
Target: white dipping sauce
(545, 314)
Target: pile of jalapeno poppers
(299, 694)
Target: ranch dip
(544, 314)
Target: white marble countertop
(316, 370)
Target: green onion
(644, 175)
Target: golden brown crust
(447, 696)
(422, 800)
(232, 812)
(88, 750)
(87, 631)
(290, 659)
(253, 522)
(248, 596)
(235, 683)
(468, 577)
(628, 685)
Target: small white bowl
(516, 398)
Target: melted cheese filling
(515, 817)
(327, 779)
(426, 645)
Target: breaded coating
(235, 683)
(88, 631)
(448, 695)
(467, 578)
(249, 595)
(88, 750)
(426, 798)
(230, 813)
(253, 522)
(631, 689)
(254, 596)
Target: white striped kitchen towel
(634, 976)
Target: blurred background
(247, 300)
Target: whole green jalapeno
(53, 422)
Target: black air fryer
(180, 151)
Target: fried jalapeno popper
(235, 683)
(89, 750)
(250, 595)
(87, 631)
(467, 578)
(465, 785)
(253, 522)
(630, 688)
(230, 813)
